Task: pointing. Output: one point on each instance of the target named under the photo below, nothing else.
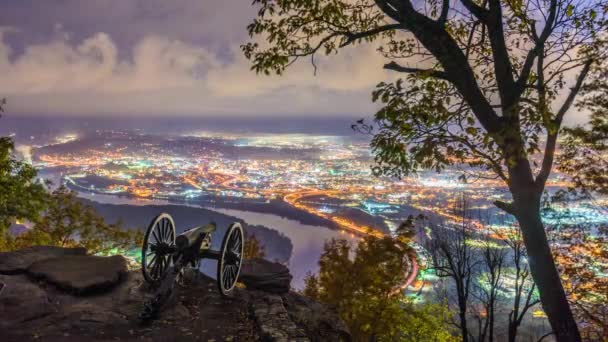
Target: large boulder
(264, 275)
(21, 301)
(81, 274)
(19, 261)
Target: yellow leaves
(253, 248)
(471, 130)
(569, 10)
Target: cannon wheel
(155, 251)
(231, 258)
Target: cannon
(165, 255)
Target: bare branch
(573, 92)
(445, 8)
(552, 132)
(538, 47)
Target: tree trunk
(542, 266)
(491, 318)
(512, 333)
(463, 320)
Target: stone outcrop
(264, 275)
(56, 302)
(319, 322)
(81, 273)
(20, 261)
(273, 320)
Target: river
(307, 240)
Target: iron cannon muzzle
(194, 236)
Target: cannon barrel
(193, 236)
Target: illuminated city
(323, 180)
(327, 170)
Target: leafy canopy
(488, 81)
(365, 291)
(58, 217)
(68, 222)
(584, 148)
(22, 197)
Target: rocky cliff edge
(64, 294)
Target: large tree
(487, 85)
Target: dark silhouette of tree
(477, 260)
(523, 286)
(453, 258)
(580, 248)
(492, 269)
(487, 87)
(59, 218)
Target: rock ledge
(19, 261)
(81, 274)
(68, 311)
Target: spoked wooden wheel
(156, 249)
(231, 257)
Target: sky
(156, 57)
(164, 58)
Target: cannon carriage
(164, 257)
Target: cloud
(165, 75)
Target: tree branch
(478, 11)
(445, 8)
(553, 131)
(538, 48)
(455, 64)
(508, 207)
(503, 69)
(433, 73)
(573, 91)
(352, 37)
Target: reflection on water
(307, 240)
